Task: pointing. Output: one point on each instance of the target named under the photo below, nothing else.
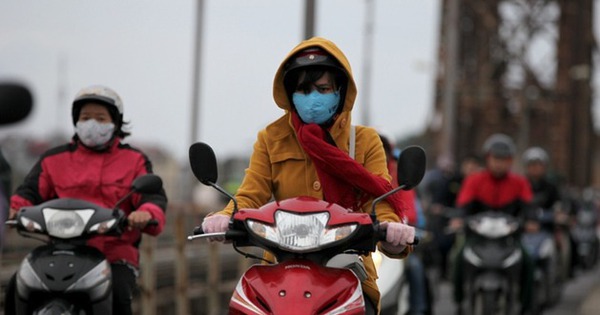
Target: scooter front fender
(490, 281)
(298, 287)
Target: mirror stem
(116, 208)
(378, 199)
(223, 191)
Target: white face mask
(94, 134)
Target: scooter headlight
(301, 233)
(66, 223)
(493, 227)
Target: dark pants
(9, 296)
(371, 309)
(124, 287)
(417, 281)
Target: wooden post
(181, 266)
(148, 276)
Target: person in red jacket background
(495, 188)
(97, 167)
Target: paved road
(581, 296)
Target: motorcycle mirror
(203, 163)
(411, 167)
(15, 103)
(204, 166)
(147, 184)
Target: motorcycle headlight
(301, 233)
(493, 227)
(66, 223)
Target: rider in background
(313, 150)
(96, 166)
(494, 188)
(546, 194)
(439, 190)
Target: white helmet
(100, 94)
(535, 154)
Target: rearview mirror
(411, 167)
(147, 184)
(16, 102)
(203, 163)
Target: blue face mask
(316, 107)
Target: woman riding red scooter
(313, 150)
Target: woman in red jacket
(97, 167)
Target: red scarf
(344, 181)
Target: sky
(144, 49)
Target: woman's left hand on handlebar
(139, 219)
(398, 235)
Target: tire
(484, 303)
(58, 307)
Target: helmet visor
(312, 57)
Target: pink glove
(398, 236)
(215, 224)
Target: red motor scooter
(317, 246)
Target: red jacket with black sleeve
(482, 191)
(100, 177)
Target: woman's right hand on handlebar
(215, 223)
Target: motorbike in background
(317, 246)
(547, 286)
(65, 276)
(585, 237)
(492, 263)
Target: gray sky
(144, 50)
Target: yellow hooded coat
(280, 169)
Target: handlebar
(152, 222)
(381, 236)
(416, 241)
(228, 235)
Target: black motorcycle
(65, 276)
(492, 263)
(543, 252)
(585, 237)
